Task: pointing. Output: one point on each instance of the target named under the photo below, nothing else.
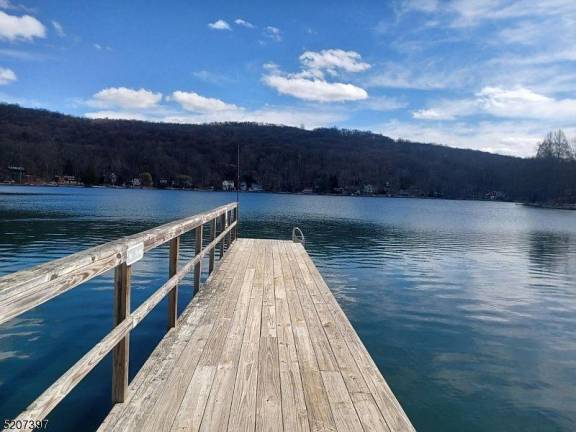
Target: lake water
(468, 308)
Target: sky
(492, 75)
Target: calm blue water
(468, 308)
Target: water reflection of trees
(551, 252)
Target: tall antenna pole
(238, 172)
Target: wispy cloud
(461, 13)
(419, 75)
(101, 47)
(382, 103)
(498, 102)
(58, 28)
(243, 23)
(518, 138)
(273, 33)
(212, 77)
(333, 61)
(19, 54)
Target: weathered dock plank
(264, 346)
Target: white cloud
(333, 61)
(243, 23)
(58, 28)
(499, 102)
(212, 77)
(315, 90)
(273, 33)
(7, 76)
(122, 97)
(193, 102)
(219, 25)
(309, 84)
(15, 28)
(524, 103)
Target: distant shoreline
(551, 206)
(361, 195)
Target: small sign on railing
(134, 253)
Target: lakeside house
(369, 189)
(16, 173)
(255, 187)
(66, 180)
(228, 185)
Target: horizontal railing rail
(24, 290)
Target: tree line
(278, 158)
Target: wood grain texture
(269, 398)
(172, 270)
(198, 248)
(212, 250)
(243, 409)
(294, 413)
(121, 352)
(264, 346)
(222, 229)
(146, 387)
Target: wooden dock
(263, 345)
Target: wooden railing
(24, 290)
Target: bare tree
(555, 146)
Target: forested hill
(278, 158)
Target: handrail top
(77, 268)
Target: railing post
(212, 237)
(172, 270)
(232, 219)
(229, 235)
(121, 352)
(222, 228)
(236, 220)
(198, 266)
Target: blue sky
(493, 75)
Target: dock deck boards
(264, 346)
